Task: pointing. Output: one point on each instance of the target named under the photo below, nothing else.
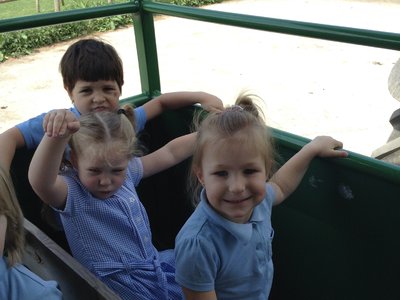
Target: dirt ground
(310, 86)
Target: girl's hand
(211, 103)
(60, 123)
(326, 146)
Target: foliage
(194, 2)
(23, 42)
(18, 43)
(19, 8)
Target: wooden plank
(51, 262)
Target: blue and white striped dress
(112, 238)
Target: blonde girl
(105, 223)
(224, 249)
(16, 281)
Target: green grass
(19, 8)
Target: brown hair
(9, 207)
(244, 115)
(91, 60)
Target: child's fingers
(59, 126)
(329, 147)
(48, 123)
(339, 153)
(55, 123)
(335, 150)
(45, 122)
(73, 126)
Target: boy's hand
(60, 123)
(211, 103)
(326, 146)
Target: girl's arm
(289, 176)
(171, 154)
(176, 100)
(193, 295)
(45, 164)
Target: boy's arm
(45, 164)
(176, 100)
(171, 154)
(10, 140)
(289, 176)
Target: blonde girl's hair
(9, 207)
(246, 116)
(112, 130)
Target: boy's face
(90, 96)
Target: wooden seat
(51, 262)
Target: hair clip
(236, 107)
(233, 108)
(121, 111)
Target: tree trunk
(56, 5)
(37, 6)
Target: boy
(93, 78)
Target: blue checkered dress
(112, 238)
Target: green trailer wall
(336, 237)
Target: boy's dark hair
(91, 60)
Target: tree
(57, 5)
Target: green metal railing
(143, 22)
(327, 32)
(143, 11)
